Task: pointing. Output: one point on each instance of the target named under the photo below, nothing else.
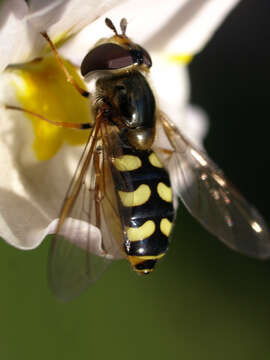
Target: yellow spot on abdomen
(165, 192)
(165, 226)
(135, 198)
(154, 160)
(127, 163)
(142, 232)
(134, 260)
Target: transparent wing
(211, 199)
(88, 232)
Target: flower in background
(37, 159)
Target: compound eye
(146, 59)
(106, 57)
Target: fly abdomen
(145, 200)
(149, 242)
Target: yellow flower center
(41, 87)
(180, 58)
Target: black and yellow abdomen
(147, 206)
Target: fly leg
(69, 79)
(99, 189)
(82, 126)
(164, 151)
(68, 76)
(163, 154)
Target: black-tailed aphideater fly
(122, 200)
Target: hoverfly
(122, 200)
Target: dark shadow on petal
(45, 182)
(51, 16)
(5, 13)
(21, 213)
(174, 24)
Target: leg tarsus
(83, 126)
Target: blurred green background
(203, 301)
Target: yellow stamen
(41, 87)
(180, 58)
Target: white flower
(36, 160)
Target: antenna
(123, 26)
(109, 23)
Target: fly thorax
(132, 106)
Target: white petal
(18, 214)
(60, 18)
(31, 198)
(141, 25)
(171, 85)
(194, 125)
(36, 190)
(191, 26)
(80, 236)
(66, 17)
(178, 26)
(31, 191)
(192, 122)
(12, 13)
